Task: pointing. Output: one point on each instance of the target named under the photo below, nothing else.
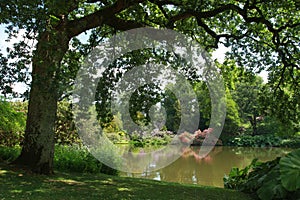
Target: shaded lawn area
(17, 184)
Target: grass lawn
(17, 184)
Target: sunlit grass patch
(66, 181)
(63, 185)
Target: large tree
(247, 96)
(262, 35)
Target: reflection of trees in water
(211, 169)
(263, 154)
(192, 168)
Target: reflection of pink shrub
(188, 152)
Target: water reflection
(191, 168)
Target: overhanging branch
(122, 25)
(105, 15)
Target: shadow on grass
(18, 184)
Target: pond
(211, 169)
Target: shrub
(66, 158)
(272, 126)
(263, 141)
(200, 136)
(65, 131)
(237, 177)
(255, 141)
(155, 138)
(9, 153)
(292, 142)
(78, 159)
(12, 123)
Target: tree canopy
(262, 35)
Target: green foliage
(247, 96)
(285, 107)
(255, 141)
(119, 137)
(276, 179)
(9, 153)
(273, 126)
(142, 98)
(115, 125)
(237, 176)
(204, 100)
(12, 122)
(172, 108)
(67, 158)
(65, 132)
(293, 142)
(290, 171)
(162, 138)
(232, 120)
(75, 159)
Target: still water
(211, 169)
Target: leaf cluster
(277, 179)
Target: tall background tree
(262, 35)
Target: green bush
(65, 130)
(75, 159)
(12, 123)
(276, 179)
(237, 177)
(292, 142)
(9, 153)
(163, 138)
(78, 159)
(263, 141)
(66, 158)
(272, 126)
(255, 141)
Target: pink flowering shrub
(199, 136)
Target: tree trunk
(38, 146)
(253, 122)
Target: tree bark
(38, 147)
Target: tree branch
(98, 18)
(122, 25)
(178, 17)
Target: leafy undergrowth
(276, 179)
(17, 184)
(66, 158)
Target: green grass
(17, 184)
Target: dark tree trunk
(253, 122)
(38, 147)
